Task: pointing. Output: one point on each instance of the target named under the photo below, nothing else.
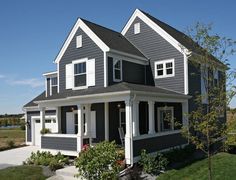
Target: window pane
(168, 65)
(160, 72)
(159, 66)
(167, 118)
(80, 68)
(117, 74)
(117, 65)
(80, 80)
(54, 81)
(169, 71)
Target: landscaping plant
(99, 162)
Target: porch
(89, 120)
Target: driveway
(15, 157)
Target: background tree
(207, 125)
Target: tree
(209, 54)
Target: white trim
(80, 24)
(73, 73)
(60, 135)
(171, 108)
(186, 87)
(147, 136)
(50, 73)
(164, 62)
(79, 40)
(155, 27)
(67, 153)
(105, 64)
(58, 78)
(136, 28)
(106, 109)
(113, 69)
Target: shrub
(45, 131)
(99, 162)
(152, 164)
(47, 159)
(10, 143)
(22, 126)
(179, 154)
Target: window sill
(80, 87)
(147, 136)
(167, 76)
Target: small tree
(210, 54)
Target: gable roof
(106, 39)
(32, 104)
(114, 40)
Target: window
(48, 120)
(164, 68)
(117, 70)
(165, 119)
(216, 78)
(79, 41)
(136, 28)
(54, 81)
(80, 74)
(204, 84)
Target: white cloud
(33, 82)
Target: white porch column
(42, 117)
(58, 119)
(136, 118)
(106, 109)
(129, 134)
(80, 128)
(88, 121)
(151, 117)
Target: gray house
(108, 81)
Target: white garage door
(37, 135)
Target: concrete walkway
(15, 157)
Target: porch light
(72, 109)
(119, 105)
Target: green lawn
(22, 173)
(224, 168)
(17, 135)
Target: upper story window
(164, 68)
(136, 28)
(216, 77)
(54, 81)
(80, 74)
(79, 41)
(117, 70)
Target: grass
(22, 173)
(223, 168)
(17, 135)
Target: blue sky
(32, 32)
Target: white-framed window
(136, 28)
(79, 41)
(165, 68)
(54, 81)
(117, 70)
(165, 118)
(80, 73)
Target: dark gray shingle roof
(113, 39)
(123, 86)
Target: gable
(156, 28)
(88, 31)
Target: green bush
(47, 159)
(10, 143)
(152, 164)
(99, 162)
(22, 126)
(45, 131)
(179, 154)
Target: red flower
(85, 147)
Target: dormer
(51, 83)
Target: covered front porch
(92, 119)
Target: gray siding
(156, 48)
(158, 143)
(131, 72)
(48, 87)
(90, 50)
(59, 143)
(29, 115)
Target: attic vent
(136, 28)
(79, 41)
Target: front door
(122, 119)
(37, 134)
(70, 123)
